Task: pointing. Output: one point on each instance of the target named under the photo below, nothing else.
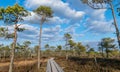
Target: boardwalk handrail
(52, 66)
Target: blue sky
(85, 24)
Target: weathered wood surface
(52, 66)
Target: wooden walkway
(52, 66)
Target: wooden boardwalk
(52, 66)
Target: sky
(85, 24)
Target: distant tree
(114, 53)
(47, 46)
(12, 15)
(2, 31)
(5, 51)
(59, 48)
(118, 10)
(87, 48)
(26, 45)
(72, 45)
(108, 44)
(52, 48)
(101, 48)
(91, 52)
(45, 12)
(67, 37)
(80, 49)
(36, 49)
(106, 4)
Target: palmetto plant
(11, 16)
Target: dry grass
(22, 66)
(88, 65)
(71, 65)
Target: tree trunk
(107, 52)
(11, 66)
(39, 49)
(4, 54)
(102, 52)
(115, 24)
(66, 55)
(60, 53)
(66, 50)
(74, 52)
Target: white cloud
(96, 20)
(35, 19)
(60, 8)
(97, 23)
(32, 33)
(72, 28)
(51, 33)
(99, 26)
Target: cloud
(60, 8)
(32, 34)
(92, 44)
(52, 33)
(32, 19)
(72, 28)
(35, 19)
(95, 19)
(99, 27)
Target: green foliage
(20, 29)
(2, 31)
(4, 51)
(36, 49)
(8, 36)
(114, 52)
(13, 14)
(26, 43)
(52, 48)
(1, 11)
(107, 44)
(80, 49)
(71, 43)
(91, 50)
(98, 4)
(96, 1)
(47, 46)
(59, 47)
(16, 10)
(44, 10)
(67, 36)
(118, 10)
